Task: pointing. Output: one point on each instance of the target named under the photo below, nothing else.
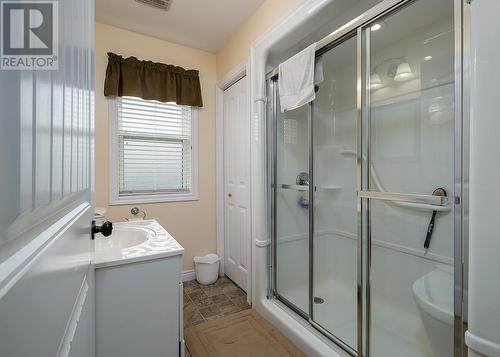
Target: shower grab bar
(438, 201)
(295, 187)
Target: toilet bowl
(433, 294)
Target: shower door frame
(359, 27)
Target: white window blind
(154, 147)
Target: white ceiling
(203, 24)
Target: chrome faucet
(135, 211)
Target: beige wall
(237, 48)
(193, 224)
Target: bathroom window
(153, 151)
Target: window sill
(141, 199)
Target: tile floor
(210, 302)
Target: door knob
(106, 229)
(230, 195)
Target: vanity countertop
(134, 241)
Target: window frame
(114, 166)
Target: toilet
(433, 294)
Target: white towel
(297, 79)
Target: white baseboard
(188, 275)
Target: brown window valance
(152, 81)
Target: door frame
(240, 71)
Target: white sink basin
(123, 237)
(132, 242)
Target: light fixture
(403, 73)
(375, 27)
(427, 58)
(375, 81)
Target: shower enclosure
(365, 185)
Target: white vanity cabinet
(138, 294)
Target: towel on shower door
(297, 79)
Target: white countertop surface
(155, 242)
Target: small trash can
(206, 268)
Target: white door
(236, 183)
(46, 275)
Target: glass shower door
(365, 188)
(335, 238)
(409, 187)
(291, 191)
